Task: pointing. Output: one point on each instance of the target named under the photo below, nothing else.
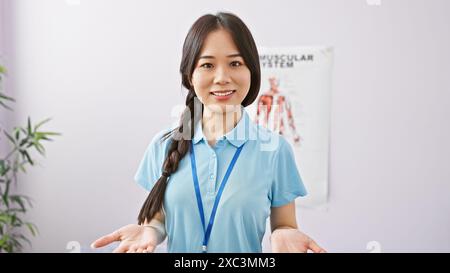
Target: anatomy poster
(294, 101)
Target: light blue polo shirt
(264, 176)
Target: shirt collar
(237, 136)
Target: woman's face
(221, 79)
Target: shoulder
(159, 144)
(159, 137)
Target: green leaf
(50, 133)
(22, 237)
(29, 126)
(14, 210)
(26, 198)
(22, 168)
(4, 168)
(3, 96)
(25, 153)
(5, 218)
(6, 106)
(5, 197)
(10, 137)
(16, 243)
(13, 219)
(33, 228)
(17, 133)
(29, 200)
(17, 221)
(40, 148)
(4, 240)
(23, 142)
(5, 200)
(46, 138)
(17, 199)
(3, 70)
(38, 135)
(40, 123)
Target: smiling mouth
(224, 93)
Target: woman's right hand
(133, 239)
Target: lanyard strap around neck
(207, 231)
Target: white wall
(3, 115)
(107, 72)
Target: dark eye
(206, 65)
(236, 63)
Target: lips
(223, 93)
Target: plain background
(107, 73)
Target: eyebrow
(229, 56)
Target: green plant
(13, 206)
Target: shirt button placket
(214, 176)
(212, 172)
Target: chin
(223, 107)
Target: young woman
(217, 177)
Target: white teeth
(222, 94)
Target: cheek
(201, 84)
(244, 81)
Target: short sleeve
(287, 183)
(150, 167)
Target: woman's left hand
(291, 240)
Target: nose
(222, 76)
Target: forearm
(283, 217)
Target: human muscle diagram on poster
(295, 101)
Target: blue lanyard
(207, 231)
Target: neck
(217, 124)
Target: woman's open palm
(133, 238)
(293, 241)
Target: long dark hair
(182, 135)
